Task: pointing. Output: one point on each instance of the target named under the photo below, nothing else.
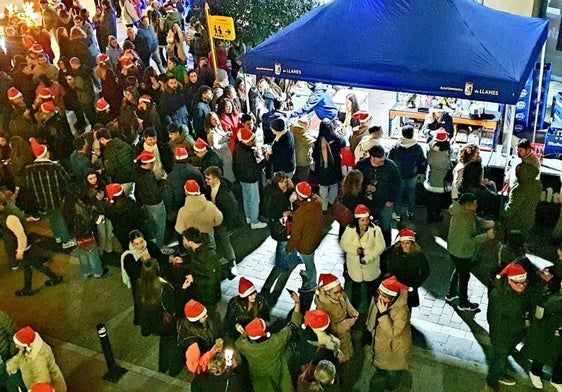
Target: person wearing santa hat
(150, 142)
(317, 342)
(48, 180)
(438, 195)
(363, 243)
(332, 299)
(147, 112)
(54, 127)
(363, 117)
(306, 232)
(206, 156)
(408, 263)
(35, 361)
(123, 212)
(243, 308)
(266, 352)
(509, 310)
(20, 122)
(198, 212)
(197, 328)
(248, 171)
(388, 322)
(148, 194)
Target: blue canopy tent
(452, 48)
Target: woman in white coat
(363, 243)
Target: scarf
(136, 253)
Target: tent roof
(455, 48)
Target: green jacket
(464, 232)
(519, 212)
(7, 330)
(268, 359)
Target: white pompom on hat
(391, 286)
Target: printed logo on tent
(468, 88)
(277, 69)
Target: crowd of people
(125, 140)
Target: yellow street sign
(222, 27)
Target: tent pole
(539, 93)
(246, 90)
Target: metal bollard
(114, 372)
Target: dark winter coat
(174, 194)
(205, 269)
(228, 205)
(409, 157)
(236, 313)
(283, 157)
(150, 316)
(145, 42)
(118, 157)
(172, 108)
(329, 172)
(519, 212)
(58, 135)
(246, 168)
(506, 316)
(411, 269)
(147, 188)
(125, 215)
(386, 178)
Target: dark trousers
(497, 363)
(459, 279)
(436, 202)
(556, 378)
(32, 259)
(356, 291)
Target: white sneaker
(71, 243)
(536, 381)
(248, 220)
(558, 387)
(259, 225)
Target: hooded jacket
(408, 156)
(200, 213)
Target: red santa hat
(514, 272)
(316, 319)
(102, 105)
(391, 286)
(361, 211)
(407, 235)
(113, 190)
(194, 310)
(145, 157)
(440, 135)
(44, 93)
(180, 154)
(102, 58)
(303, 189)
(37, 148)
(191, 188)
(256, 329)
(36, 48)
(42, 387)
(48, 107)
(362, 115)
(14, 93)
(126, 63)
(25, 337)
(245, 135)
(200, 145)
(169, 8)
(28, 41)
(245, 287)
(145, 98)
(327, 281)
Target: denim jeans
(407, 187)
(310, 267)
(105, 235)
(328, 194)
(90, 261)
(58, 224)
(156, 222)
(385, 218)
(251, 198)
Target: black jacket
(147, 188)
(244, 164)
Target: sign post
(220, 27)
